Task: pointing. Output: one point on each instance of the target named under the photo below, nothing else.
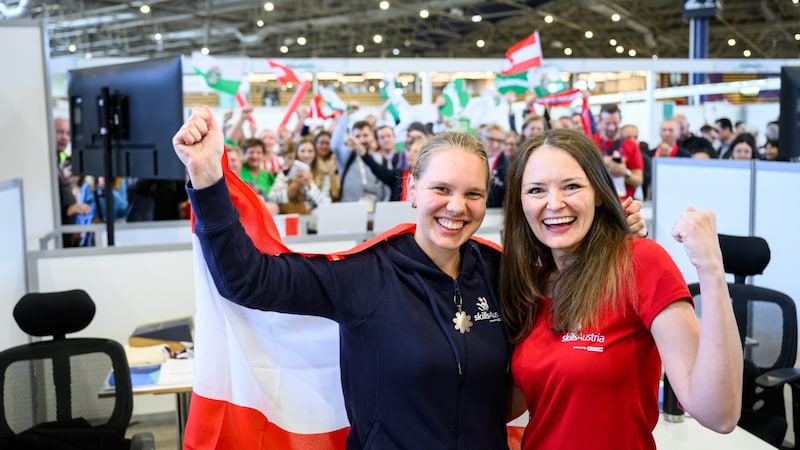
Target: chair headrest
(54, 313)
(744, 255)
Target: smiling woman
(597, 298)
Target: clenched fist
(199, 144)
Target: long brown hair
(600, 274)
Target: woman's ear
(411, 189)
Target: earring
(414, 205)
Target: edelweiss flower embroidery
(463, 322)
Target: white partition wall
(13, 278)
(777, 219)
(721, 186)
(26, 125)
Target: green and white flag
(219, 76)
(456, 98)
(517, 83)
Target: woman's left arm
(703, 360)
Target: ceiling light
(548, 19)
(72, 48)
(395, 51)
(205, 50)
(620, 49)
(632, 52)
(424, 13)
(284, 49)
(301, 40)
(797, 37)
(383, 5)
(377, 39)
(731, 42)
(615, 17)
(157, 36)
(588, 34)
(568, 51)
(259, 23)
(359, 48)
(144, 9)
(746, 53)
(269, 6)
(477, 18)
(480, 43)
(612, 42)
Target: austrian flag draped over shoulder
(265, 380)
(262, 380)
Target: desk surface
(690, 435)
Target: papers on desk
(172, 372)
(144, 356)
(176, 371)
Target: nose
(456, 205)
(555, 199)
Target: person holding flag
(424, 350)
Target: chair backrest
(342, 218)
(389, 214)
(767, 323)
(743, 256)
(60, 380)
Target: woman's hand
(697, 231)
(636, 223)
(199, 144)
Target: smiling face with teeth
(449, 187)
(558, 200)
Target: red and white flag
(284, 73)
(524, 55)
(262, 380)
(265, 380)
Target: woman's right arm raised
(199, 144)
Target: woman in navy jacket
(424, 350)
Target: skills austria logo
(484, 313)
(585, 341)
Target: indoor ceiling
(333, 28)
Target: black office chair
(50, 389)
(767, 322)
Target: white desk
(690, 435)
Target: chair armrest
(778, 377)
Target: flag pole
(295, 102)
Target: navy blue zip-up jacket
(410, 379)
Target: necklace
(462, 320)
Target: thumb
(211, 121)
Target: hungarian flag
(266, 380)
(331, 99)
(284, 73)
(524, 55)
(219, 75)
(315, 111)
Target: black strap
(350, 160)
(613, 147)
